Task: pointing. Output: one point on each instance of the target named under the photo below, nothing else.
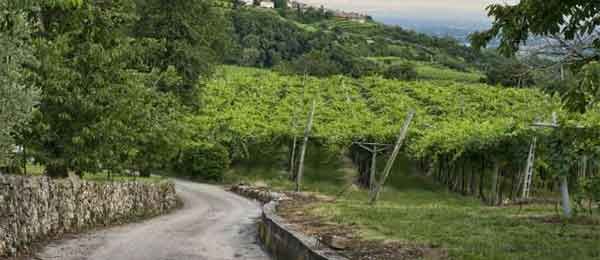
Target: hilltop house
(356, 17)
(267, 4)
(298, 5)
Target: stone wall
(284, 243)
(37, 208)
(278, 236)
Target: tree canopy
(17, 95)
(514, 24)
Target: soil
(295, 211)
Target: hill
(316, 42)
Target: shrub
(205, 161)
(404, 71)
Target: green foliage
(404, 71)
(264, 38)
(204, 161)
(515, 23)
(509, 73)
(17, 95)
(191, 35)
(281, 4)
(584, 92)
(99, 109)
(247, 106)
(293, 40)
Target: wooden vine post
(304, 144)
(293, 154)
(390, 162)
(376, 148)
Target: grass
(103, 177)
(432, 71)
(413, 209)
(38, 170)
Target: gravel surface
(212, 225)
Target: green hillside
(287, 41)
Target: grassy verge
(38, 170)
(414, 210)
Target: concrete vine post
(564, 191)
(390, 162)
(304, 144)
(564, 182)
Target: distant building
(247, 2)
(267, 4)
(298, 5)
(361, 18)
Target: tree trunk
(472, 181)
(145, 174)
(494, 184)
(481, 179)
(57, 171)
(463, 185)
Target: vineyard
(257, 105)
(463, 135)
(432, 71)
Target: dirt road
(212, 225)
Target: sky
(465, 10)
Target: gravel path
(212, 225)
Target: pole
(564, 191)
(390, 162)
(293, 159)
(304, 144)
(373, 170)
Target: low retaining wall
(278, 237)
(37, 208)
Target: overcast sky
(421, 9)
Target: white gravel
(212, 225)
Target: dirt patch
(296, 212)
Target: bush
(404, 71)
(205, 161)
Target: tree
(194, 37)
(509, 73)
(99, 109)
(17, 96)
(404, 71)
(281, 4)
(563, 21)
(515, 23)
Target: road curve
(212, 225)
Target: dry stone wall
(37, 208)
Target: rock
(336, 242)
